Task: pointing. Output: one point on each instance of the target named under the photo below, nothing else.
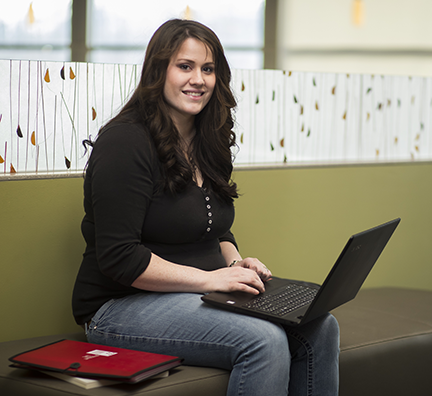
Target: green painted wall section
(296, 220)
(41, 248)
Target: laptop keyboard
(288, 299)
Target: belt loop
(86, 328)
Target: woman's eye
(184, 67)
(208, 69)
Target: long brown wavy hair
(211, 147)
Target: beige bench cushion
(386, 343)
(386, 349)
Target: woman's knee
(326, 337)
(330, 327)
(267, 338)
(264, 353)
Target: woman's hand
(255, 265)
(235, 278)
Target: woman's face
(190, 80)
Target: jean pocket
(101, 314)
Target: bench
(386, 349)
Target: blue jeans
(264, 358)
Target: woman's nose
(197, 78)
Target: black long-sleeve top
(128, 217)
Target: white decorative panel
(287, 117)
(48, 108)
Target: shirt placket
(209, 213)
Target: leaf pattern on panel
(1, 160)
(12, 169)
(67, 162)
(390, 107)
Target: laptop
(295, 303)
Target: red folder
(83, 359)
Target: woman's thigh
(181, 324)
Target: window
(120, 31)
(111, 31)
(35, 30)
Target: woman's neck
(185, 125)
(187, 133)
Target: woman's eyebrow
(192, 61)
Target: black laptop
(294, 302)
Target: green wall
(296, 220)
(41, 248)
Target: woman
(158, 200)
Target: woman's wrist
(233, 263)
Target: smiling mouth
(194, 94)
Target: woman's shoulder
(124, 131)
(130, 143)
(120, 135)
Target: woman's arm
(164, 276)
(246, 275)
(229, 252)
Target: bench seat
(386, 349)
